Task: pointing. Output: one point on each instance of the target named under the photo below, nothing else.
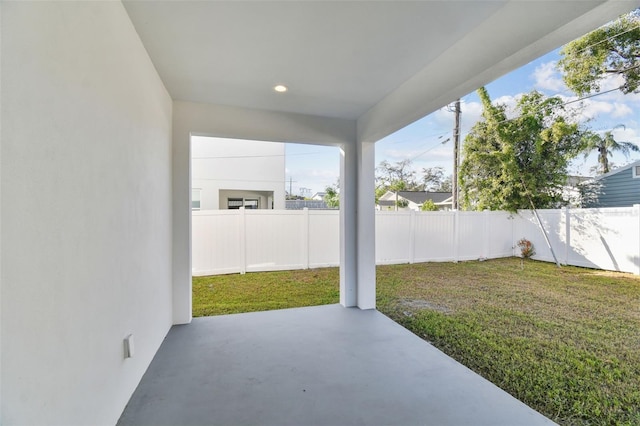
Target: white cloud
(627, 134)
(510, 101)
(312, 179)
(589, 109)
(471, 114)
(612, 82)
(434, 152)
(621, 110)
(323, 173)
(614, 105)
(444, 117)
(547, 77)
(597, 108)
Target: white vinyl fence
(228, 241)
(239, 241)
(607, 238)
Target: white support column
(348, 221)
(357, 226)
(181, 157)
(366, 225)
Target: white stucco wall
(0, 214)
(86, 211)
(241, 167)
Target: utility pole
(291, 187)
(456, 156)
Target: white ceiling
(385, 61)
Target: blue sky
(314, 167)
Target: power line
(407, 140)
(291, 185)
(608, 38)
(430, 149)
(241, 180)
(593, 95)
(254, 156)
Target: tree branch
(620, 71)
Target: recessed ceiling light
(280, 88)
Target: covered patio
(323, 365)
(100, 100)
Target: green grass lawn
(264, 291)
(564, 341)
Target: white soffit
(384, 63)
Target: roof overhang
(381, 64)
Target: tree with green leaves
(332, 196)
(396, 187)
(510, 164)
(399, 174)
(429, 206)
(433, 179)
(613, 49)
(395, 177)
(446, 185)
(605, 145)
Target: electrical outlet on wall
(128, 346)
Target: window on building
(636, 172)
(251, 204)
(234, 203)
(195, 199)
(248, 203)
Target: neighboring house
(618, 188)
(572, 190)
(233, 173)
(319, 196)
(413, 200)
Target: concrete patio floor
(323, 365)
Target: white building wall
(86, 212)
(239, 168)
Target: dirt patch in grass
(423, 304)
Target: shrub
(429, 206)
(526, 248)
